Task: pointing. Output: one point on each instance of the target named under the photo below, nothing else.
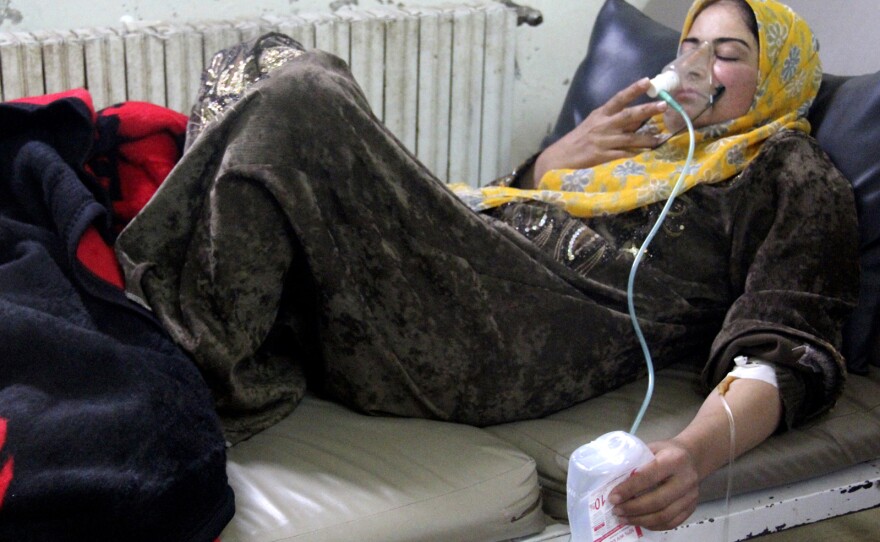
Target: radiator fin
(440, 78)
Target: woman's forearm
(756, 408)
(664, 493)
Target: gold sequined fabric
(232, 71)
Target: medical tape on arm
(749, 368)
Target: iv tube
(640, 254)
(732, 426)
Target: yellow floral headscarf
(789, 76)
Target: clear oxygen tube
(630, 286)
(688, 77)
(597, 467)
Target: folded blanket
(107, 430)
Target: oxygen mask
(688, 78)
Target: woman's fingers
(663, 493)
(661, 508)
(631, 117)
(608, 133)
(625, 96)
(668, 517)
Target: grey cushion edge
(325, 472)
(439, 518)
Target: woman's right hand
(662, 494)
(608, 133)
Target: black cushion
(846, 122)
(626, 45)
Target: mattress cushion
(327, 473)
(845, 436)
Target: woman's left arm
(663, 494)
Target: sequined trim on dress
(568, 239)
(232, 71)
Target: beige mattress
(326, 473)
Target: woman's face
(735, 66)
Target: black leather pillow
(626, 45)
(846, 122)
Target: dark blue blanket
(107, 430)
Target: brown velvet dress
(298, 242)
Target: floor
(858, 527)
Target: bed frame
(768, 511)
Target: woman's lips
(688, 95)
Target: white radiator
(441, 79)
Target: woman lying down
(298, 243)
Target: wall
(846, 29)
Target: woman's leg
(419, 306)
(427, 309)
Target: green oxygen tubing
(676, 190)
(664, 95)
(595, 468)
